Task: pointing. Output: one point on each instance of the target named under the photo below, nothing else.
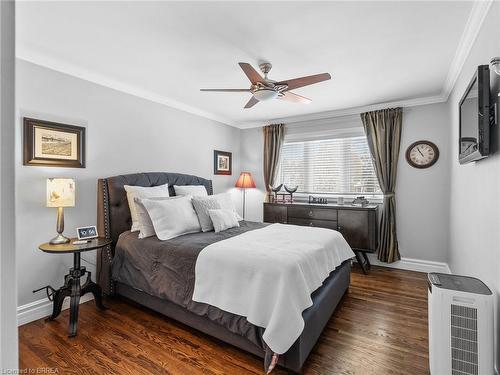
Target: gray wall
(422, 195)
(125, 134)
(475, 187)
(8, 326)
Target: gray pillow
(201, 206)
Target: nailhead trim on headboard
(107, 231)
(113, 206)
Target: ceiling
(376, 52)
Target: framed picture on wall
(223, 162)
(51, 144)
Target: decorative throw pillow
(201, 206)
(223, 219)
(146, 228)
(172, 217)
(226, 202)
(142, 192)
(193, 190)
(217, 201)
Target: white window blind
(329, 166)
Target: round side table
(72, 287)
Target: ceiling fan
(263, 88)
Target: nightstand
(72, 287)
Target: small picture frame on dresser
(223, 162)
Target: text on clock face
(422, 154)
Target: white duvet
(267, 275)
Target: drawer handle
(311, 224)
(310, 214)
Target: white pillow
(146, 228)
(142, 192)
(223, 219)
(226, 202)
(193, 190)
(172, 217)
(217, 201)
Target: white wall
(125, 134)
(251, 151)
(422, 195)
(475, 188)
(8, 331)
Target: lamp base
(59, 239)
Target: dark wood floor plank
(380, 327)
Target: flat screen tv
(477, 115)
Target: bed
(160, 274)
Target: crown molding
(477, 15)
(472, 27)
(86, 75)
(474, 23)
(349, 112)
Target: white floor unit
(460, 326)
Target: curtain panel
(383, 132)
(274, 136)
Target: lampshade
(245, 181)
(60, 192)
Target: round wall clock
(422, 154)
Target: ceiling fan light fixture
(265, 94)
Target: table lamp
(245, 181)
(60, 194)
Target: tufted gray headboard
(113, 214)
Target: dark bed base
(316, 317)
(113, 218)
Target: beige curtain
(273, 141)
(383, 131)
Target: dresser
(357, 224)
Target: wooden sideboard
(357, 224)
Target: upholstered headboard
(113, 214)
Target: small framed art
(51, 144)
(223, 162)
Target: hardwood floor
(380, 327)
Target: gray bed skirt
(325, 300)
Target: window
(329, 166)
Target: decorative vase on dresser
(358, 224)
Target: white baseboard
(42, 308)
(411, 264)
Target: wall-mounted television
(477, 115)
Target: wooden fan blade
(226, 90)
(294, 98)
(305, 81)
(251, 102)
(251, 73)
